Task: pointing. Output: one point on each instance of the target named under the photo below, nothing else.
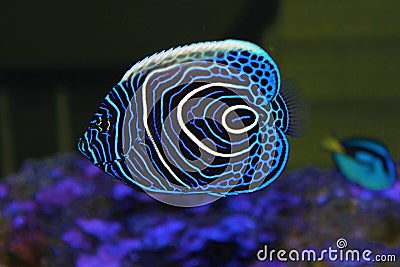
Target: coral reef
(63, 211)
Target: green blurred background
(59, 59)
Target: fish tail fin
(332, 144)
(297, 109)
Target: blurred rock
(63, 211)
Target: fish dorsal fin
(196, 51)
(369, 145)
(244, 56)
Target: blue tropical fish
(203, 118)
(363, 161)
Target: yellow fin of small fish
(332, 144)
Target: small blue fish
(203, 118)
(363, 161)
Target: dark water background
(59, 59)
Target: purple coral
(110, 255)
(120, 191)
(76, 239)
(103, 230)
(3, 191)
(19, 206)
(163, 235)
(62, 193)
(89, 220)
